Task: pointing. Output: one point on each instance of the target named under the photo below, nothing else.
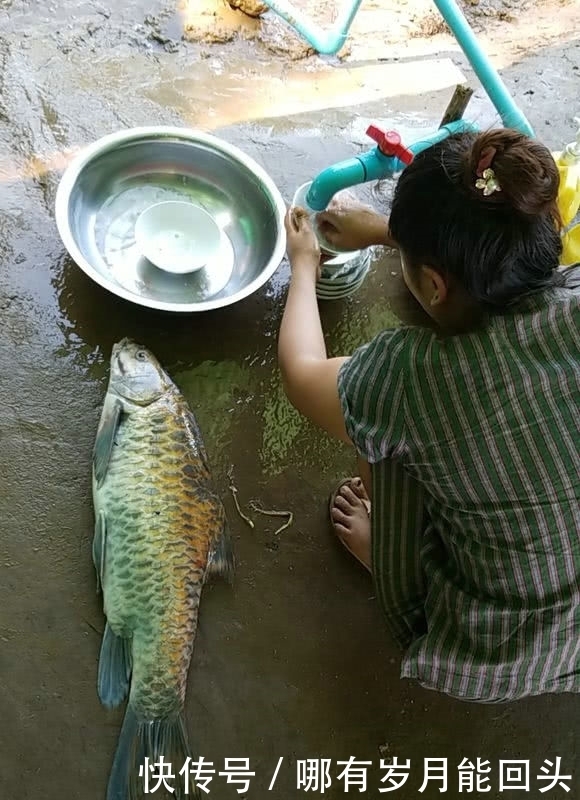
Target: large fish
(160, 531)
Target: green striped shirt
(474, 442)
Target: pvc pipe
(323, 41)
(370, 165)
(511, 115)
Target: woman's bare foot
(349, 514)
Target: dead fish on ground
(160, 531)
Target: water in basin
(115, 239)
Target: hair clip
(488, 183)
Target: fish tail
(150, 739)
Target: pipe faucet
(388, 158)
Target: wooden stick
(457, 105)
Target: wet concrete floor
(294, 660)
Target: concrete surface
(294, 661)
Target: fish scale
(160, 531)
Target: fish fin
(99, 545)
(150, 739)
(115, 666)
(105, 439)
(195, 432)
(221, 557)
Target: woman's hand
(349, 225)
(301, 243)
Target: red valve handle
(389, 143)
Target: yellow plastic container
(571, 242)
(568, 162)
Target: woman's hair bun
(524, 173)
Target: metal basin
(107, 187)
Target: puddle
(287, 438)
(220, 393)
(282, 428)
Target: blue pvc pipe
(327, 42)
(370, 166)
(511, 115)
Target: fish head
(136, 375)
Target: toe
(340, 518)
(359, 490)
(348, 494)
(341, 531)
(343, 504)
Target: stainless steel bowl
(107, 187)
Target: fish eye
(141, 355)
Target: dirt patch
(252, 8)
(215, 21)
(274, 36)
(505, 10)
(432, 24)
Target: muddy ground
(294, 660)
(380, 25)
